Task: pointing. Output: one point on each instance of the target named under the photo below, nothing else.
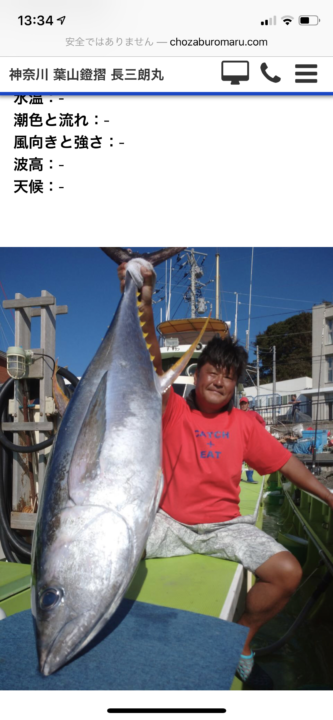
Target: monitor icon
(235, 71)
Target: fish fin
(85, 460)
(120, 255)
(166, 380)
(60, 399)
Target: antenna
(217, 289)
(248, 327)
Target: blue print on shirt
(210, 436)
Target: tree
(293, 341)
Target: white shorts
(238, 540)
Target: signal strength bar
(270, 21)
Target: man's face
(244, 406)
(214, 387)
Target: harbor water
(305, 661)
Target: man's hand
(146, 293)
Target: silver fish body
(101, 492)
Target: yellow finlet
(60, 398)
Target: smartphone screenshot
(196, 137)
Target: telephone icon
(275, 79)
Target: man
(295, 406)
(205, 441)
(244, 405)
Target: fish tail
(60, 399)
(166, 380)
(120, 255)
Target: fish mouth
(67, 643)
(72, 638)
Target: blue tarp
(302, 447)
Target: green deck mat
(14, 578)
(14, 587)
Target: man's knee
(281, 569)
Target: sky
(285, 281)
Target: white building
(322, 361)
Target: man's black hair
(224, 353)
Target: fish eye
(50, 598)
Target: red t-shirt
(202, 460)
(258, 417)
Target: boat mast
(247, 345)
(217, 295)
(236, 316)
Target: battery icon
(308, 20)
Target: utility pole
(236, 317)
(274, 383)
(192, 284)
(195, 273)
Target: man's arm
(146, 308)
(298, 474)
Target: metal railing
(291, 414)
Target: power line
(270, 297)
(258, 317)
(290, 310)
(5, 316)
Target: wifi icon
(287, 19)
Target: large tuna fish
(102, 486)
